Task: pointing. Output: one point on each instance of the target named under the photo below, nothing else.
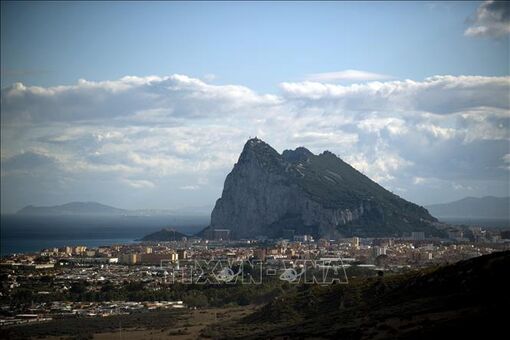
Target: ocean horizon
(24, 234)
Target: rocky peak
(300, 154)
(329, 154)
(258, 153)
(259, 147)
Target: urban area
(35, 287)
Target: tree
(196, 300)
(79, 288)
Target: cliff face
(267, 193)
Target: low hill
(451, 301)
(72, 208)
(474, 207)
(166, 234)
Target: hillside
(474, 207)
(451, 301)
(267, 192)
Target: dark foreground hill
(467, 300)
(268, 193)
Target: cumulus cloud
(419, 180)
(380, 166)
(175, 96)
(492, 19)
(138, 140)
(189, 187)
(346, 75)
(438, 94)
(395, 126)
(316, 139)
(139, 184)
(436, 131)
(506, 160)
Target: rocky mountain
(73, 208)
(166, 234)
(474, 207)
(268, 193)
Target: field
(181, 324)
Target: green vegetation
(195, 295)
(466, 300)
(453, 300)
(335, 184)
(88, 326)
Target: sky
(148, 105)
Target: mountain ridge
(72, 208)
(81, 208)
(473, 207)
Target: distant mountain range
(73, 208)
(473, 207)
(98, 209)
(270, 194)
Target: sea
(24, 234)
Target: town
(76, 281)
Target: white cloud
(189, 187)
(325, 139)
(492, 19)
(346, 75)
(438, 94)
(485, 124)
(506, 161)
(460, 187)
(381, 164)
(419, 180)
(180, 133)
(395, 126)
(170, 97)
(437, 131)
(139, 183)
